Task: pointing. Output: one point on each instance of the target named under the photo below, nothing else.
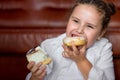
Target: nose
(80, 30)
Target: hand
(38, 70)
(75, 53)
(78, 54)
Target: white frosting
(37, 56)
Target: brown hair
(105, 8)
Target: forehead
(87, 11)
(88, 7)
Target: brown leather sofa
(25, 23)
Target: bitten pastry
(38, 55)
(77, 41)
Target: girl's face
(85, 20)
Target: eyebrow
(75, 18)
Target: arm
(101, 69)
(79, 56)
(85, 67)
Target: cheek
(70, 28)
(91, 39)
(67, 31)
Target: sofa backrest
(24, 24)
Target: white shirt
(100, 56)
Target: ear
(101, 34)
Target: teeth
(78, 36)
(82, 38)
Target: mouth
(75, 35)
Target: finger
(30, 65)
(75, 49)
(42, 75)
(41, 70)
(83, 49)
(68, 51)
(65, 48)
(65, 54)
(36, 67)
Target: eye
(90, 26)
(76, 21)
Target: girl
(92, 61)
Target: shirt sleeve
(28, 76)
(103, 69)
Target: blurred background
(24, 24)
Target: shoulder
(101, 47)
(104, 43)
(100, 52)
